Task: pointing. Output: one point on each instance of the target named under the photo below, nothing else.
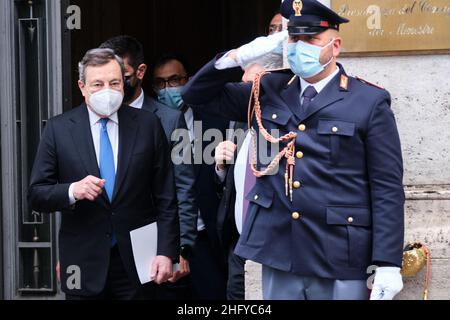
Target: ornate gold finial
(298, 7)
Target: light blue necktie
(107, 168)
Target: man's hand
(161, 269)
(387, 284)
(251, 72)
(90, 188)
(183, 272)
(257, 48)
(224, 154)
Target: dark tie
(249, 183)
(309, 94)
(107, 167)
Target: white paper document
(144, 242)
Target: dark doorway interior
(196, 29)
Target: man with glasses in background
(207, 260)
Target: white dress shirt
(240, 170)
(113, 133)
(139, 102)
(189, 118)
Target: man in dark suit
(92, 167)
(132, 53)
(335, 204)
(208, 262)
(231, 176)
(235, 176)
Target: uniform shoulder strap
(369, 83)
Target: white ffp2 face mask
(106, 102)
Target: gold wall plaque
(394, 25)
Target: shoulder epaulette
(369, 83)
(291, 81)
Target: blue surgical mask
(171, 97)
(304, 59)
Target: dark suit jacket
(172, 120)
(144, 193)
(349, 211)
(205, 184)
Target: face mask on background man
(106, 102)
(171, 97)
(304, 59)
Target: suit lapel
(291, 95)
(82, 139)
(127, 138)
(328, 96)
(83, 142)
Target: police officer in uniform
(334, 205)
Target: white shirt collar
(139, 102)
(94, 118)
(319, 86)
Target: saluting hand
(258, 48)
(90, 188)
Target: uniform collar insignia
(344, 82)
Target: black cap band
(297, 31)
(310, 28)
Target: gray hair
(96, 58)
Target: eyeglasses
(273, 28)
(174, 81)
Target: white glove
(260, 47)
(387, 284)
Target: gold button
(297, 185)
(256, 197)
(335, 129)
(302, 128)
(296, 216)
(300, 155)
(274, 117)
(350, 220)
